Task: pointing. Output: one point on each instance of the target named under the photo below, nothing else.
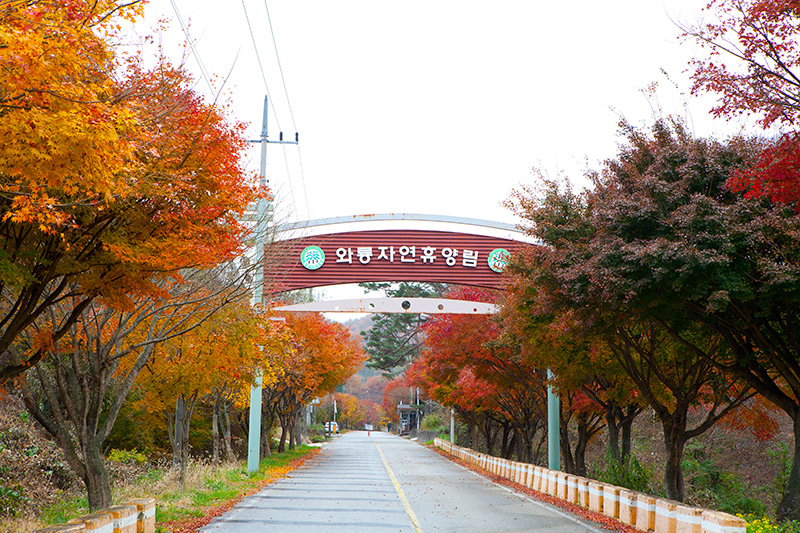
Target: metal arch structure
(428, 306)
(445, 267)
(384, 217)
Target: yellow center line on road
(407, 507)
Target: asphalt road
(380, 482)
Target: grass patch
(64, 510)
(210, 490)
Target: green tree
(393, 341)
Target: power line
(196, 55)
(260, 66)
(272, 104)
(291, 111)
(280, 67)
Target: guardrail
(135, 516)
(641, 511)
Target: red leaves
(759, 38)
(775, 174)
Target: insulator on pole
(280, 136)
(296, 137)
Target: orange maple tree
(323, 355)
(113, 176)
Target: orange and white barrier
(641, 511)
(99, 522)
(136, 516)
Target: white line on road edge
(407, 507)
(528, 499)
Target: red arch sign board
(390, 255)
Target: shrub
(10, 500)
(713, 487)
(631, 474)
(763, 525)
(127, 456)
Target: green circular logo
(498, 259)
(312, 257)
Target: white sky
(437, 106)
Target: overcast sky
(436, 107)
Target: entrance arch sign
(392, 255)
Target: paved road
(378, 483)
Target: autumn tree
(210, 361)
(753, 65)
(323, 355)
(78, 389)
(467, 366)
(113, 176)
(118, 182)
(644, 259)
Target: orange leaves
(324, 356)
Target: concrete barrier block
(583, 492)
(529, 468)
(99, 522)
(611, 501)
(552, 482)
(519, 473)
(627, 507)
(572, 488)
(645, 512)
(719, 522)
(561, 485)
(537, 478)
(146, 508)
(666, 514)
(688, 519)
(125, 518)
(596, 493)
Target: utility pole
(262, 223)
(553, 431)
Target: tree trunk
(585, 434)
(282, 444)
(613, 433)
(568, 464)
(789, 506)
(98, 486)
(226, 432)
(674, 442)
(489, 435)
(215, 441)
(627, 425)
(177, 430)
(179, 436)
(504, 443)
(474, 436)
(291, 431)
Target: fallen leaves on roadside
(607, 522)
